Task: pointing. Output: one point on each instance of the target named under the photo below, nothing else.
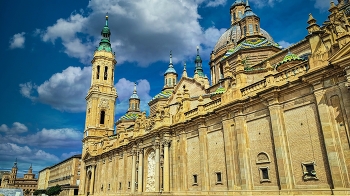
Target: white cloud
(25, 156)
(64, 91)
(150, 26)
(215, 3)
(125, 89)
(65, 137)
(15, 129)
(11, 150)
(322, 5)
(70, 154)
(17, 41)
(284, 44)
(263, 3)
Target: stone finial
(311, 19)
(184, 72)
(332, 8)
(200, 99)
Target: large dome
(233, 34)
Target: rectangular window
(109, 186)
(120, 186)
(309, 171)
(106, 73)
(195, 179)
(218, 178)
(129, 184)
(264, 174)
(245, 30)
(251, 29)
(102, 118)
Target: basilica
(266, 121)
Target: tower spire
(184, 72)
(105, 40)
(198, 62)
(171, 59)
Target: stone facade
(43, 179)
(65, 173)
(274, 121)
(28, 184)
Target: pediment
(341, 56)
(195, 88)
(87, 156)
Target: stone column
(92, 179)
(280, 143)
(156, 145)
(140, 177)
(228, 141)
(336, 154)
(203, 151)
(166, 167)
(133, 171)
(183, 161)
(243, 157)
(82, 188)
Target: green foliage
(55, 190)
(39, 192)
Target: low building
(66, 174)
(43, 179)
(28, 183)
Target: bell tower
(102, 95)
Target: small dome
(237, 2)
(233, 34)
(170, 70)
(106, 30)
(290, 57)
(134, 94)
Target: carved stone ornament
(166, 142)
(150, 181)
(103, 103)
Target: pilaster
(133, 170)
(140, 172)
(280, 142)
(335, 151)
(243, 157)
(157, 176)
(227, 136)
(166, 166)
(203, 150)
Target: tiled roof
(129, 116)
(219, 90)
(247, 44)
(289, 57)
(163, 94)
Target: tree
(26, 192)
(55, 190)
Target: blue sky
(47, 46)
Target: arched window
(166, 81)
(98, 72)
(102, 117)
(174, 81)
(106, 71)
(132, 106)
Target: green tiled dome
(289, 57)
(129, 116)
